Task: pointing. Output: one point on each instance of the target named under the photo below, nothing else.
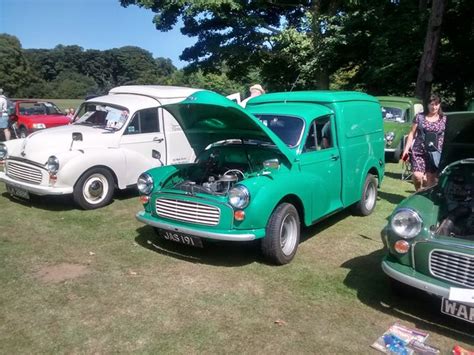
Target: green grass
(142, 294)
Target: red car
(32, 115)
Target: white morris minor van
(112, 140)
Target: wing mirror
(156, 155)
(270, 165)
(76, 136)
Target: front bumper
(228, 235)
(407, 275)
(36, 189)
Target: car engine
(211, 177)
(458, 218)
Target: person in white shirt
(255, 90)
(4, 115)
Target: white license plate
(18, 192)
(182, 238)
(458, 310)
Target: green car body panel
(317, 183)
(441, 256)
(398, 114)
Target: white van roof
(156, 91)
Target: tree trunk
(424, 80)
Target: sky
(91, 24)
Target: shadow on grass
(394, 199)
(64, 202)
(396, 176)
(308, 232)
(374, 289)
(49, 203)
(217, 253)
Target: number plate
(18, 192)
(182, 238)
(458, 310)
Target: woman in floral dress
(433, 122)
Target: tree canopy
(374, 45)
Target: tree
(14, 69)
(424, 80)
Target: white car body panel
(127, 155)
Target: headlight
(239, 196)
(389, 136)
(3, 151)
(52, 165)
(38, 125)
(406, 223)
(145, 184)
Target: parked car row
(208, 170)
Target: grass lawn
(77, 281)
(64, 104)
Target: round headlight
(145, 184)
(52, 165)
(239, 196)
(406, 223)
(3, 151)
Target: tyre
(282, 235)
(22, 132)
(368, 200)
(94, 189)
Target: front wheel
(94, 189)
(282, 235)
(368, 200)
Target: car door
(320, 162)
(142, 135)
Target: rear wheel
(368, 200)
(94, 189)
(282, 235)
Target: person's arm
(409, 141)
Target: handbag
(430, 140)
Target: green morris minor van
(288, 159)
(398, 114)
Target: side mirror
(271, 164)
(156, 155)
(76, 136)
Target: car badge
(23, 147)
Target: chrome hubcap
(288, 234)
(95, 189)
(370, 197)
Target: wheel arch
(114, 176)
(296, 202)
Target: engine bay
(457, 209)
(218, 169)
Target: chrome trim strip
(197, 233)
(26, 161)
(414, 282)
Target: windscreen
(288, 128)
(101, 115)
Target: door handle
(334, 157)
(159, 140)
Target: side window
(311, 141)
(324, 133)
(319, 135)
(144, 121)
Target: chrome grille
(24, 172)
(454, 267)
(187, 211)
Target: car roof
(131, 102)
(303, 110)
(312, 97)
(155, 91)
(411, 100)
